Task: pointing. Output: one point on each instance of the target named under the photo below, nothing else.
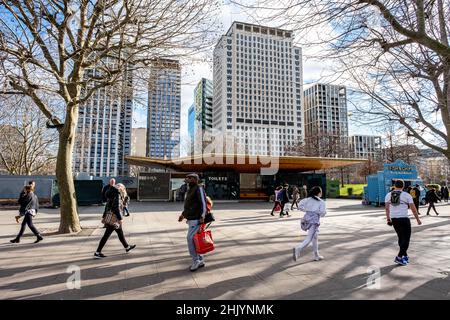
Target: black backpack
(395, 198)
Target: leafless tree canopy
(321, 144)
(396, 52)
(26, 147)
(72, 48)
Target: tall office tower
(258, 88)
(364, 146)
(191, 129)
(163, 120)
(203, 95)
(104, 129)
(326, 120)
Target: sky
(191, 75)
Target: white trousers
(312, 236)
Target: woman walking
(315, 208)
(29, 206)
(277, 202)
(295, 197)
(114, 204)
(126, 199)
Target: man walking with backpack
(397, 203)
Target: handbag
(277, 207)
(111, 220)
(209, 217)
(203, 240)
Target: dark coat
(28, 201)
(284, 196)
(431, 196)
(104, 191)
(114, 202)
(445, 192)
(195, 203)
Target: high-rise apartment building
(326, 120)
(191, 129)
(258, 88)
(202, 125)
(163, 121)
(104, 129)
(365, 146)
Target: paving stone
(252, 260)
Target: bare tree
(396, 52)
(73, 48)
(372, 166)
(26, 147)
(321, 144)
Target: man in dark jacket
(194, 212)
(432, 198)
(415, 194)
(445, 193)
(105, 189)
(284, 198)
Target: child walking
(314, 208)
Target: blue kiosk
(379, 184)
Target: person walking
(284, 198)
(415, 194)
(295, 197)
(445, 193)
(432, 198)
(105, 189)
(32, 184)
(276, 199)
(303, 192)
(314, 208)
(126, 199)
(397, 203)
(29, 206)
(194, 212)
(114, 204)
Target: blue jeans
(193, 226)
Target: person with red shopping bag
(194, 212)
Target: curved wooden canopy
(242, 163)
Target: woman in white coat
(314, 208)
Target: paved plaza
(253, 259)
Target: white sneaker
(318, 258)
(197, 264)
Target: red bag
(277, 207)
(203, 240)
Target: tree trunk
(70, 221)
